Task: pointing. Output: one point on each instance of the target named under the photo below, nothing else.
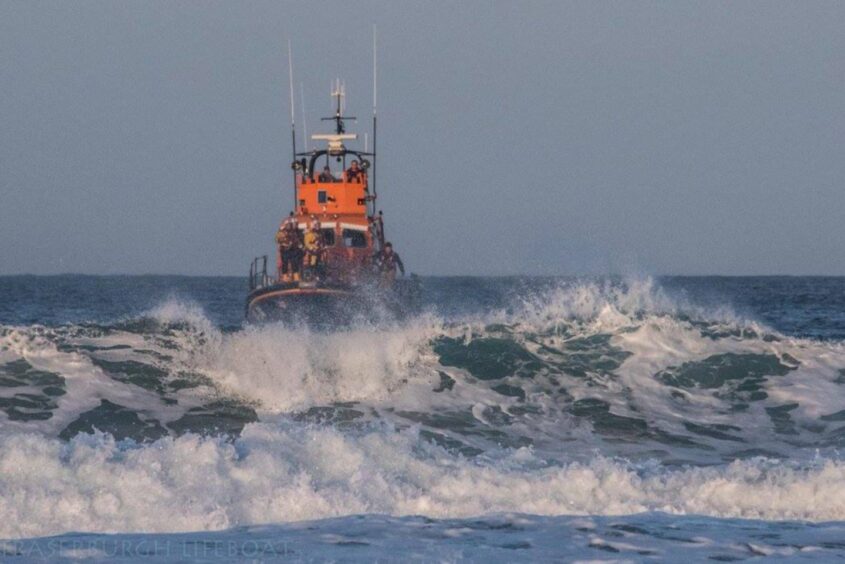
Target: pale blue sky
(515, 137)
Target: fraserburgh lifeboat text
(333, 264)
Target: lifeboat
(346, 278)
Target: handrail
(258, 278)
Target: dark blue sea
(513, 419)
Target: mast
(339, 92)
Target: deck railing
(258, 277)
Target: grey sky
(529, 137)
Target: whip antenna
(290, 82)
(375, 71)
(375, 99)
(304, 123)
(292, 120)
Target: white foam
(600, 306)
(286, 369)
(85, 384)
(661, 342)
(662, 332)
(179, 310)
(280, 474)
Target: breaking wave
(276, 474)
(586, 398)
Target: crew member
(354, 172)
(326, 175)
(386, 263)
(290, 250)
(313, 246)
(279, 250)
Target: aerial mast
(339, 92)
(304, 123)
(375, 91)
(292, 122)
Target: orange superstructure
(350, 235)
(340, 197)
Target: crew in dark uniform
(290, 251)
(354, 172)
(326, 175)
(386, 262)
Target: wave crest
(276, 474)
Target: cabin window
(328, 237)
(353, 238)
(321, 197)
